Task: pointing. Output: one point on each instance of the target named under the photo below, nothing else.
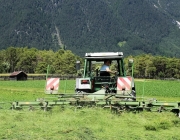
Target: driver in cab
(105, 69)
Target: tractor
(94, 80)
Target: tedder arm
(112, 101)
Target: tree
(68, 63)
(160, 64)
(45, 58)
(150, 69)
(28, 60)
(11, 57)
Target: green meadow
(69, 123)
(31, 89)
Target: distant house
(18, 75)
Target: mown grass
(69, 123)
(87, 124)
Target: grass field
(161, 90)
(67, 123)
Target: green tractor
(94, 80)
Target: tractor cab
(93, 80)
(94, 61)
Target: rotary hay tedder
(97, 88)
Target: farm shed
(18, 75)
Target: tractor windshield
(92, 67)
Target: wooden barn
(18, 76)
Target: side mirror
(77, 65)
(130, 63)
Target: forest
(132, 26)
(63, 62)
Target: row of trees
(36, 61)
(148, 66)
(63, 62)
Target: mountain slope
(131, 26)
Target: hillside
(131, 26)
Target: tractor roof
(104, 55)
